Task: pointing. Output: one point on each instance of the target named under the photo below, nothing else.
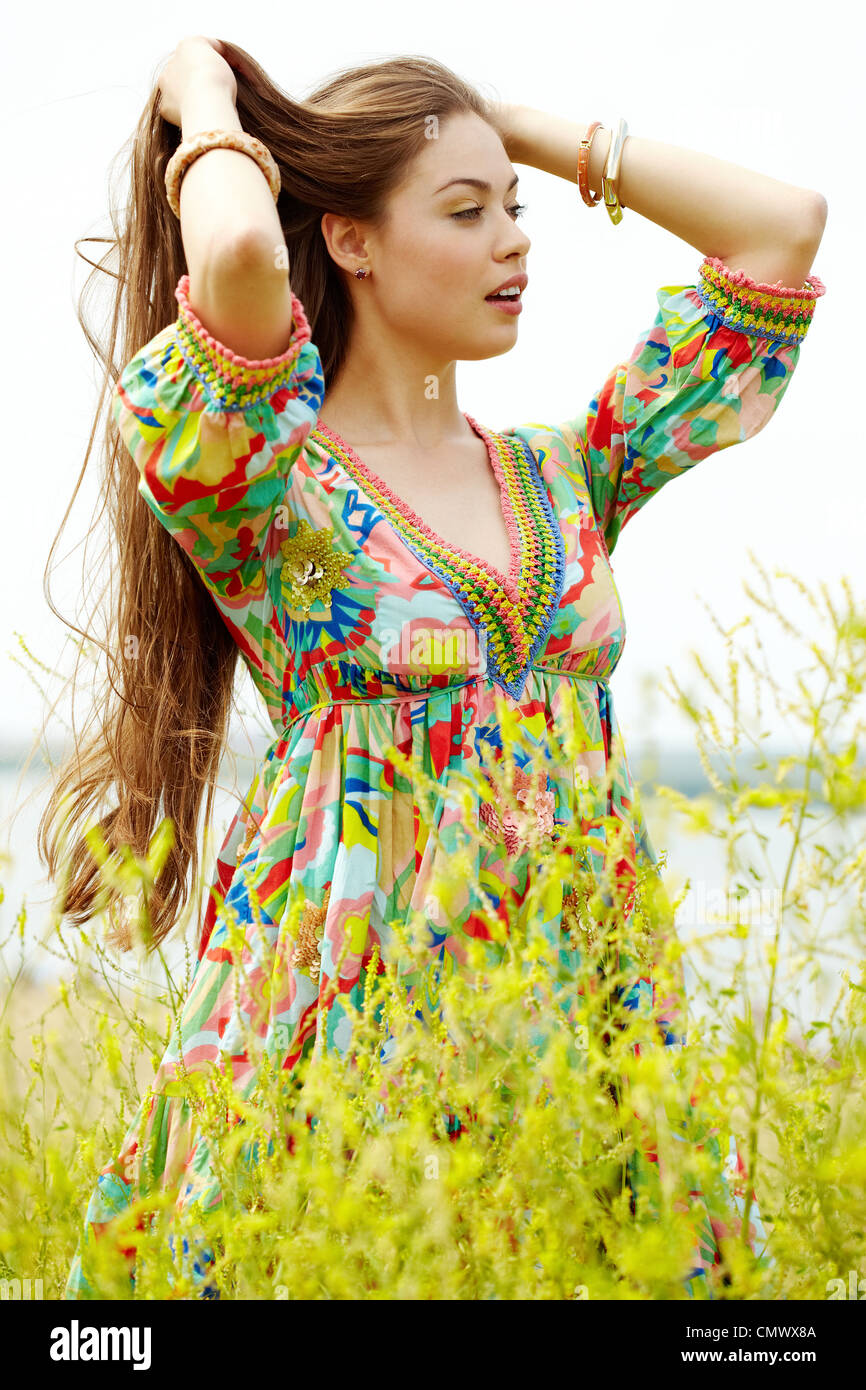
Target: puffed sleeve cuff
(230, 381)
(750, 306)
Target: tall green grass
(501, 1153)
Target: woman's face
(450, 238)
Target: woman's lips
(512, 305)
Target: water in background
(698, 858)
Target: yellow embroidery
(311, 567)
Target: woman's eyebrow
(481, 184)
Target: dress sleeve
(214, 436)
(707, 374)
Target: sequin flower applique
(576, 918)
(307, 954)
(516, 828)
(249, 836)
(311, 566)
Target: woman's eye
(469, 214)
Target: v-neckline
(510, 583)
(513, 616)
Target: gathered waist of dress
(341, 682)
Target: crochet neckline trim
(509, 583)
(514, 613)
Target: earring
(360, 274)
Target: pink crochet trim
(301, 333)
(739, 277)
(509, 584)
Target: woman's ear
(344, 239)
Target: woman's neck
(391, 393)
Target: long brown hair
(162, 720)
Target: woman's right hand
(192, 57)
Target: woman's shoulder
(547, 441)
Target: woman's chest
(383, 575)
(454, 495)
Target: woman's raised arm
(768, 229)
(239, 285)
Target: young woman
(300, 485)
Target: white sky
(774, 88)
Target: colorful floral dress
(365, 631)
